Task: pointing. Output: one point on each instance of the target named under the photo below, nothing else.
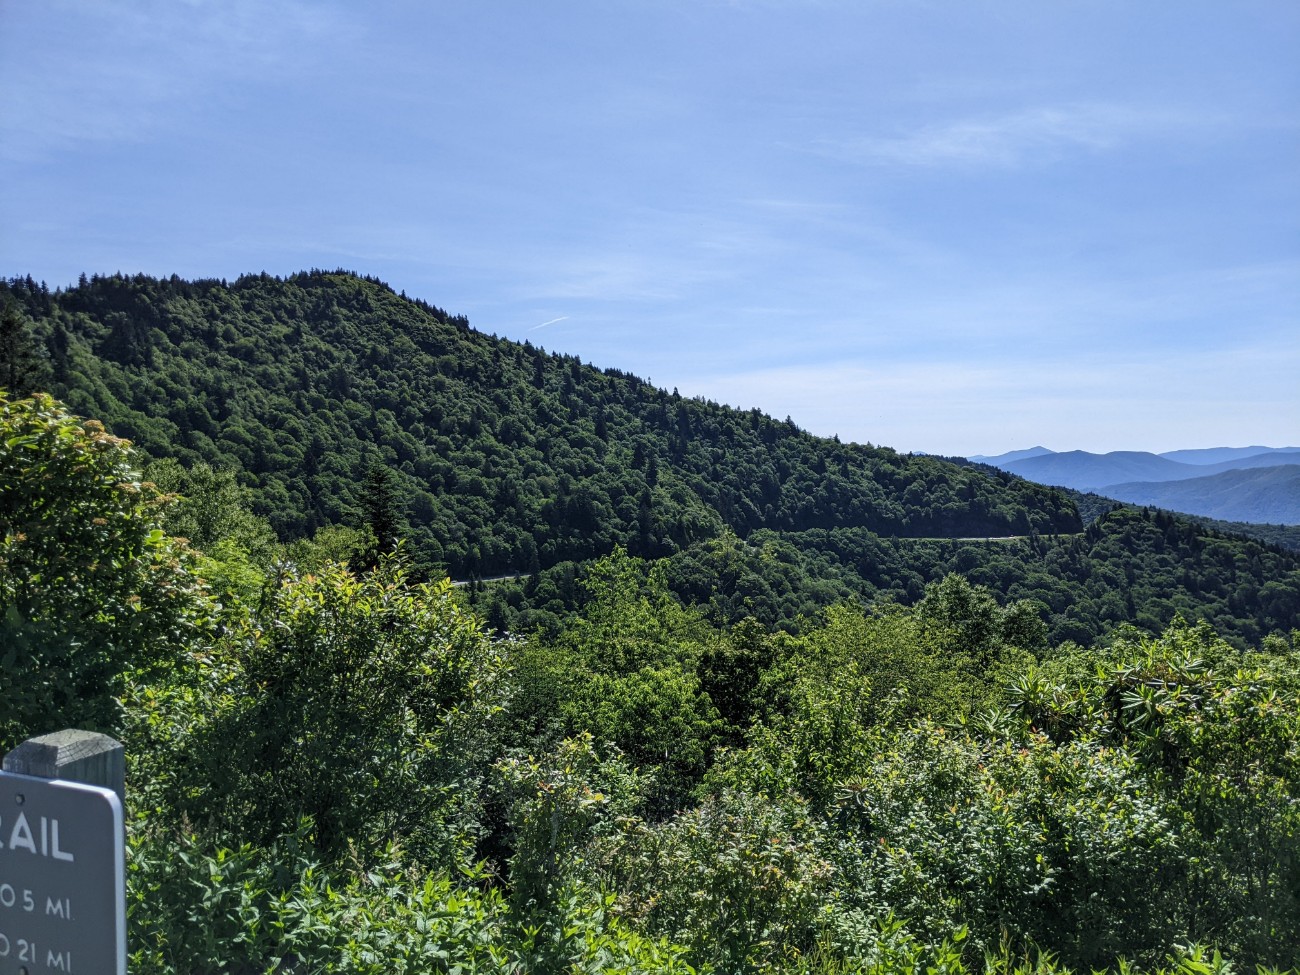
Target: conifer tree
(23, 369)
(383, 510)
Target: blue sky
(959, 227)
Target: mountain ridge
(1215, 455)
(510, 458)
(1261, 495)
(1083, 470)
(1140, 477)
(502, 458)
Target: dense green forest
(744, 701)
(1133, 566)
(1283, 536)
(508, 458)
(345, 405)
(338, 769)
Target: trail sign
(62, 878)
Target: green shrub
(364, 703)
(90, 587)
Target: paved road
(989, 538)
(466, 582)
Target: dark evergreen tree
(23, 367)
(58, 346)
(383, 510)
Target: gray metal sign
(62, 878)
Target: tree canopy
(345, 408)
(341, 770)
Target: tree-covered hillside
(331, 770)
(772, 704)
(338, 401)
(1133, 565)
(509, 458)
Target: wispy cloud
(553, 321)
(1005, 141)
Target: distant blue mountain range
(1263, 495)
(1205, 482)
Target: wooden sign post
(62, 857)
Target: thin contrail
(562, 318)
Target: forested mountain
(853, 712)
(1133, 565)
(1255, 486)
(1283, 536)
(338, 401)
(509, 458)
(1085, 471)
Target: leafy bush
(1212, 734)
(625, 672)
(90, 586)
(738, 879)
(196, 909)
(363, 703)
